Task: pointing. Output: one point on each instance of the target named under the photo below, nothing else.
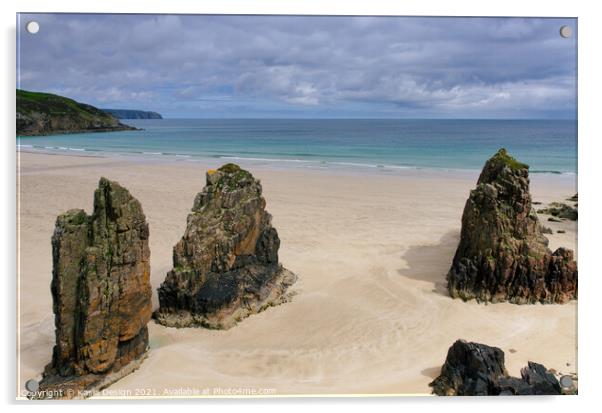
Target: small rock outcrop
(503, 255)
(560, 210)
(226, 266)
(101, 294)
(473, 369)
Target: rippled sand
(371, 314)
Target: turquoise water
(548, 146)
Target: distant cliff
(48, 114)
(133, 114)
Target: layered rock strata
(503, 255)
(101, 294)
(226, 266)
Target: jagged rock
(503, 255)
(470, 369)
(535, 380)
(473, 369)
(574, 198)
(101, 294)
(560, 210)
(225, 267)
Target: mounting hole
(566, 31)
(566, 381)
(32, 385)
(32, 27)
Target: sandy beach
(371, 314)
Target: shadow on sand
(431, 372)
(431, 263)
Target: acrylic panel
(270, 205)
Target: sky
(187, 66)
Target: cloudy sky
(301, 66)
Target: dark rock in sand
(473, 369)
(535, 380)
(101, 294)
(226, 266)
(574, 198)
(560, 210)
(546, 230)
(552, 219)
(503, 255)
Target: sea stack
(226, 266)
(101, 294)
(503, 255)
(474, 369)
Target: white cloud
(422, 65)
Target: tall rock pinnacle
(502, 255)
(101, 293)
(225, 267)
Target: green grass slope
(48, 114)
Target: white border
(590, 71)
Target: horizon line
(342, 118)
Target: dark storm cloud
(213, 66)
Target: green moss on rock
(502, 156)
(228, 178)
(230, 168)
(101, 293)
(499, 227)
(226, 266)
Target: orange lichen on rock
(101, 294)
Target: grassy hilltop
(48, 114)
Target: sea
(548, 146)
